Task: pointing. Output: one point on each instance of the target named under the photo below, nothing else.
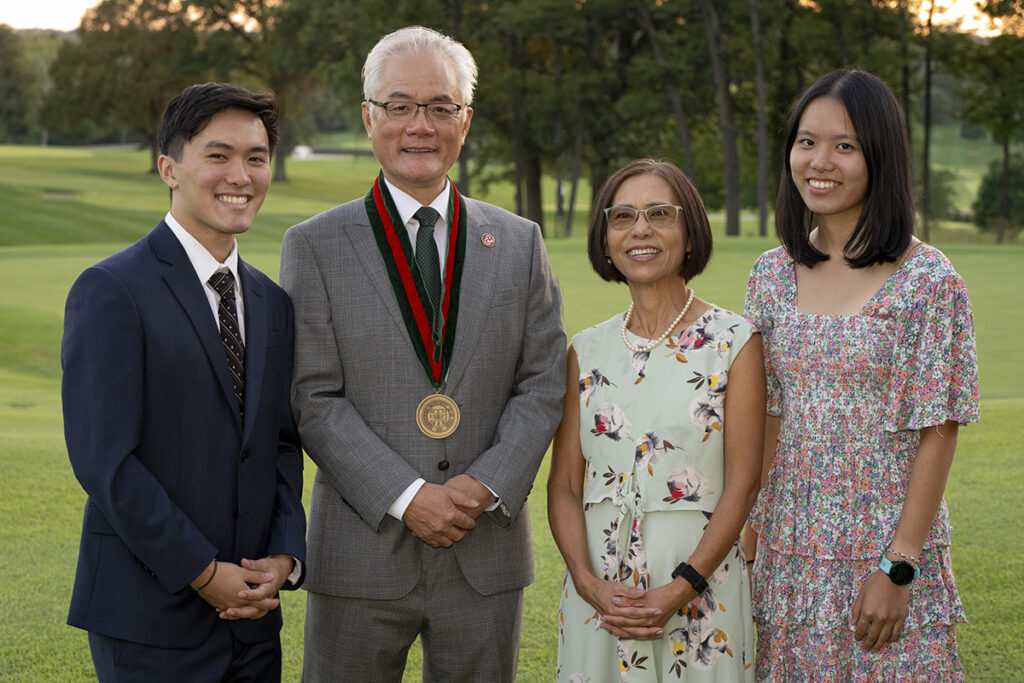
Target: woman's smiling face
(827, 162)
(642, 253)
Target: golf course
(63, 209)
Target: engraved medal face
(437, 416)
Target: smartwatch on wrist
(901, 573)
(699, 583)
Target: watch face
(901, 573)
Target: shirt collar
(202, 260)
(407, 205)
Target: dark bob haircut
(190, 110)
(694, 218)
(886, 222)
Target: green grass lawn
(66, 209)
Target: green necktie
(426, 254)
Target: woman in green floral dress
(657, 460)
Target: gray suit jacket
(357, 384)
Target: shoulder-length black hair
(694, 218)
(886, 222)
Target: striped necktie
(223, 282)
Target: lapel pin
(487, 239)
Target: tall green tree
(992, 96)
(15, 87)
(130, 58)
(726, 118)
(274, 45)
(40, 51)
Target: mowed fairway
(62, 210)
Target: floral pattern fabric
(651, 431)
(853, 391)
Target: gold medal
(437, 416)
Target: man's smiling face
(416, 154)
(222, 178)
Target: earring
(608, 259)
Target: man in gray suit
(428, 382)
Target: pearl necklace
(650, 347)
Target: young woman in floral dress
(657, 460)
(871, 365)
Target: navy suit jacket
(174, 478)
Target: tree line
(569, 89)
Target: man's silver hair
(420, 39)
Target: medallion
(437, 416)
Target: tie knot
(427, 217)
(223, 282)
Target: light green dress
(651, 430)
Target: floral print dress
(651, 432)
(853, 391)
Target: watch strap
(885, 564)
(699, 583)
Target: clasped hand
(249, 590)
(440, 515)
(634, 613)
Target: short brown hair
(695, 218)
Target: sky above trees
(64, 15)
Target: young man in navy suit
(177, 359)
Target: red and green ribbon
(432, 332)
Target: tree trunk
(285, 144)
(556, 64)
(516, 133)
(463, 183)
(577, 162)
(905, 72)
(682, 129)
(1004, 195)
(280, 172)
(762, 128)
(730, 155)
(534, 204)
(926, 167)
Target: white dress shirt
(205, 265)
(407, 206)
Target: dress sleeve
(758, 311)
(935, 363)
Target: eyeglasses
(404, 110)
(660, 216)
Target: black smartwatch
(699, 583)
(901, 573)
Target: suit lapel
(256, 315)
(360, 235)
(479, 273)
(183, 282)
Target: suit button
(245, 455)
(443, 465)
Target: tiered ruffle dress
(853, 391)
(651, 432)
